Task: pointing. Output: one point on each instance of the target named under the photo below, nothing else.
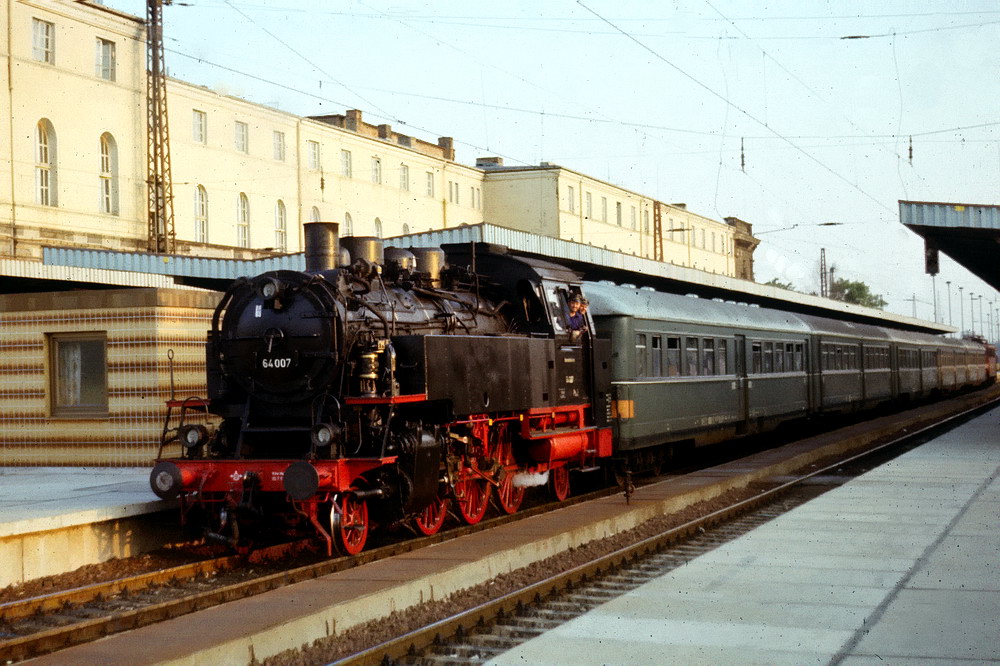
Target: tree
(775, 282)
(857, 292)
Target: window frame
(90, 410)
(278, 138)
(106, 64)
(280, 226)
(313, 155)
(199, 126)
(404, 177)
(200, 214)
(243, 220)
(43, 41)
(241, 137)
(346, 163)
(108, 176)
(376, 170)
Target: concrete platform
(900, 566)
(55, 519)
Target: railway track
(52, 622)
(487, 630)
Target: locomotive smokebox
(322, 246)
(368, 248)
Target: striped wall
(141, 326)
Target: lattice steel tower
(160, 189)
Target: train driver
(576, 319)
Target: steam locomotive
(378, 389)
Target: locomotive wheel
(430, 520)
(509, 495)
(350, 524)
(559, 482)
(472, 497)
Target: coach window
(779, 357)
(768, 357)
(656, 356)
(673, 357)
(756, 356)
(721, 357)
(799, 367)
(691, 356)
(78, 374)
(708, 356)
(640, 354)
(557, 306)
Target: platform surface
(898, 566)
(37, 499)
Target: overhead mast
(158, 181)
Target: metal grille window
(104, 65)
(108, 179)
(346, 166)
(280, 227)
(45, 160)
(430, 184)
(78, 376)
(43, 41)
(243, 221)
(201, 215)
(279, 146)
(241, 137)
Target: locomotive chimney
(322, 246)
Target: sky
(786, 114)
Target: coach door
(742, 382)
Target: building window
(105, 63)
(348, 225)
(472, 196)
(45, 164)
(200, 215)
(280, 227)
(314, 214)
(109, 175)
(243, 221)
(312, 150)
(618, 213)
(588, 203)
(43, 41)
(479, 199)
(279, 146)
(376, 170)
(346, 168)
(378, 228)
(645, 221)
(404, 177)
(78, 376)
(430, 184)
(199, 126)
(604, 209)
(453, 192)
(632, 218)
(242, 137)
(571, 199)
(406, 229)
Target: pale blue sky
(658, 97)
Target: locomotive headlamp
(271, 289)
(193, 436)
(323, 434)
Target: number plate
(276, 362)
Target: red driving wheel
(430, 520)
(350, 524)
(559, 482)
(472, 497)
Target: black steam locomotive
(380, 389)
(374, 389)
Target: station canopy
(968, 233)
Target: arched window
(45, 164)
(243, 221)
(348, 225)
(280, 227)
(109, 175)
(314, 215)
(200, 215)
(378, 228)
(406, 229)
